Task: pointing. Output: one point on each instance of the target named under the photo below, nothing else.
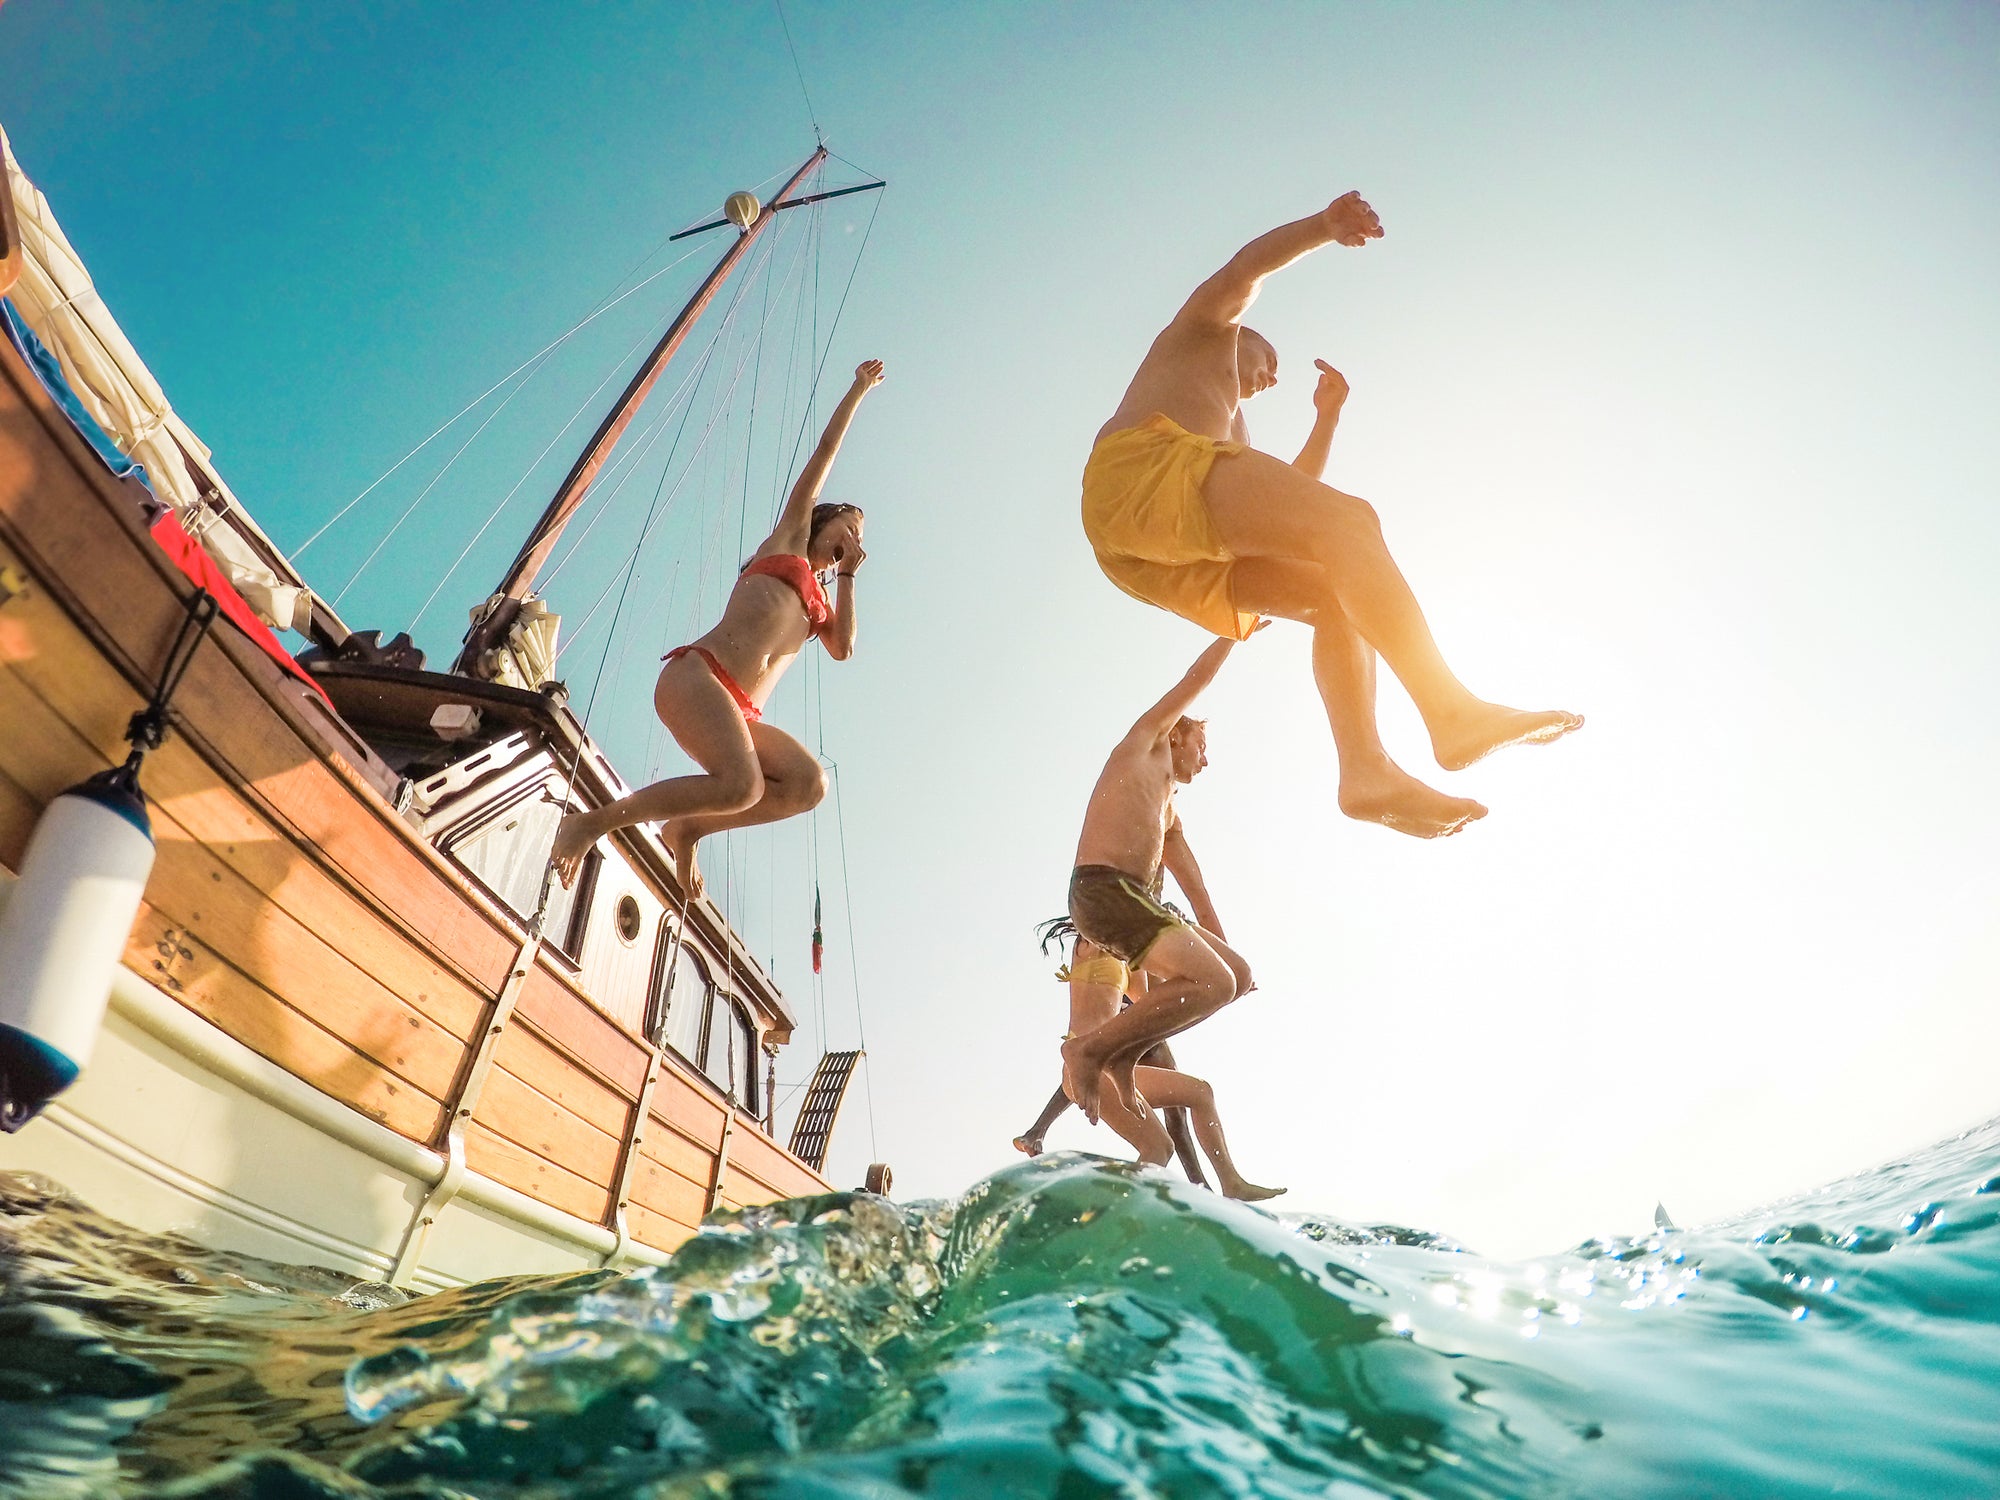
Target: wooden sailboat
(345, 1029)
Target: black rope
(148, 727)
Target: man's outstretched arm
(1227, 295)
(1160, 719)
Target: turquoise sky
(1673, 382)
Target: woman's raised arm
(795, 522)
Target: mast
(541, 541)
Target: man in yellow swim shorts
(1184, 514)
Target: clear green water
(1068, 1328)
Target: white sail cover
(55, 297)
(527, 658)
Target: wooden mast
(548, 530)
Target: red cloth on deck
(189, 556)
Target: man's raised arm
(1227, 295)
(1328, 398)
(1160, 719)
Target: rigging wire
(452, 421)
(853, 960)
(601, 503)
(827, 353)
(689, 387)
(586, 404)
(653, 513)
(410, 509)
(810, 114)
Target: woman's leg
(1174, 1118)
(1168, 1088)
(1266, 508)
(1029, 1142)
(708, 725)
(793, 783)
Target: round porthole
(628, 920)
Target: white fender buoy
(62, 931)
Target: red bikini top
(789, 567)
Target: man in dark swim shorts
(1131, 827)
(1115, 912)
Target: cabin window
(729, 1054)
(685, 1005)
(709, 1029)
(571, 917)
(507, 851)
(628, 920)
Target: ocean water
(1068, 1328)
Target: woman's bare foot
(1028, 1145)
(680, 841)
(1392, 797)
(573, 840)
(1248, 1192)
(1489, 727)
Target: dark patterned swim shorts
(1113, 910)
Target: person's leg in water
(1262, 507)
(1189, 980)
(1373, 788)
(1173, 1116)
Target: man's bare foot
(1395, 799)
(680, 844)
(1249, 1192)
(1490, 727)
(573, 840)
(1028, 1145)
(1118, 1073)
(1083, 1071)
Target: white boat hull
(177, 1128)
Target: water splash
(1067, 1327)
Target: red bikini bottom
(751, 713)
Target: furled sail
(56, 298)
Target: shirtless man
(1184, 515)
(1099, 983)
(1113, 903)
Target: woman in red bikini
(711, 690)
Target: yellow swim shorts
(1144, 514)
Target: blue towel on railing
(48, 370)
